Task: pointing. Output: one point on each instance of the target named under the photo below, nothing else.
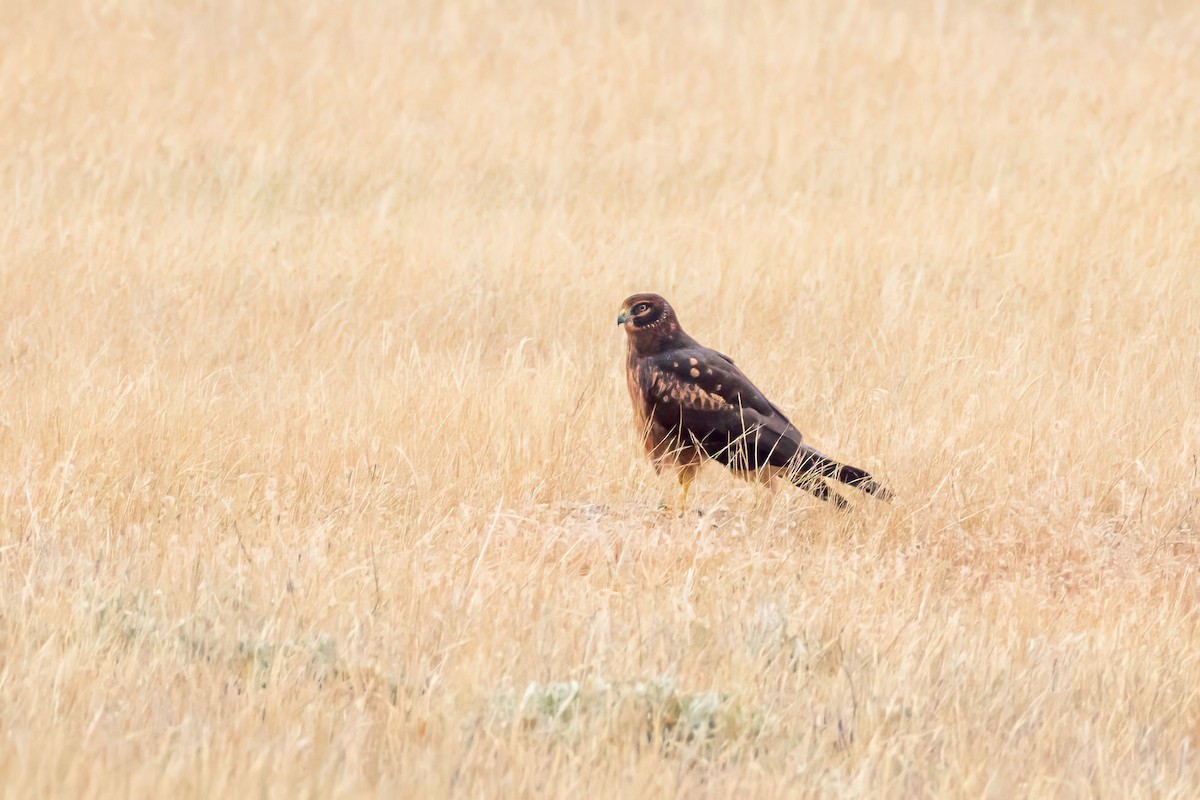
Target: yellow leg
(685, 479)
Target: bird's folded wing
(704, 392)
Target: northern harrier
(692, 404)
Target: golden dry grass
(318, 472)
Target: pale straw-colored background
(318, 471)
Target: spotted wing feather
(701, 398)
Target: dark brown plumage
(691, 404)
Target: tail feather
(806, 464)
(814, 461)
(820, 489)
(861, 479)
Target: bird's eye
(640, 307)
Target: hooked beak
(623, 317)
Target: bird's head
(649, 321)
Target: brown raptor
(692, 404)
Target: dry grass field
(318, 473)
